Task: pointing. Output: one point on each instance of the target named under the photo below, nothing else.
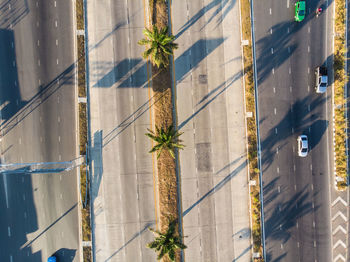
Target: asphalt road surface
(296, 190)
(37, 96)
(123, 199)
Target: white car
(303, 146)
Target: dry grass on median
(163, 117)
(80, 14)
(82, 114)
(81, 66)
(251, 126)
(339, 100)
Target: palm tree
(160, 45)
(166, 243)
(165, 139)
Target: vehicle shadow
(65, 255)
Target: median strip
(251, 130)
(339, 106)
(84, 181)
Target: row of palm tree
(159, 46)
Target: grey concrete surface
(37, 97)
(210, 111)
(296, 190)
(123, 198)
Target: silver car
(303, 146)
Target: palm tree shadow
(284, 215)
(300, 119)
(218, 6)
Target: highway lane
(38, 124)
(122, 179)
(296, 190)
(210, 112)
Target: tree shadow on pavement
(211, 44)
(284, 215)
(299, 118)
(190, 59)
(281, 44)
(218, 9)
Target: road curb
(76, 109)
